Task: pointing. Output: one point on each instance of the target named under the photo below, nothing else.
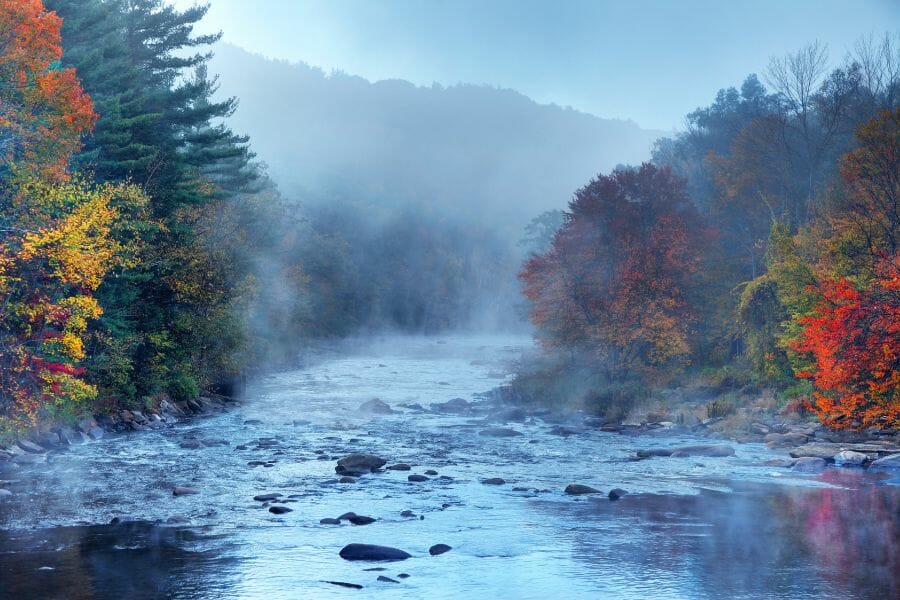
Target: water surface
(690, 528)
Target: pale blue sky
(647, 60)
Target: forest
(147, 252)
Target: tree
(44, 111)
(853, 338)
(615, 281)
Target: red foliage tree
(854, 341)
(615, 282)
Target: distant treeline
(761, 241)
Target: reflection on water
(127, 560)
(758, 541)
(723, 527)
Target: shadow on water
(127, 560)
(757, 541)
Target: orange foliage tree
(43, 110)
(615, 282)
(853, 337)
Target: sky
(650, 61)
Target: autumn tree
(614, 284)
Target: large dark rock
(29, 446)
(654, 452)
(616, 493)
(376, 406)
(359, 464)
(329, 521)
(267, 497)
(417, 478)
(372, 552)
(438, 549)
(399, 467)
(577, 489)
(360, 520)
(493, 481)
(499, 432)
(279, 510)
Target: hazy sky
(647, 60)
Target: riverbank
(163, 414)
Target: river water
(689, 528)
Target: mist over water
(689, 528)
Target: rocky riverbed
(385, 465)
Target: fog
(427, 190)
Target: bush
(183, 387)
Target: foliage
(613, 284)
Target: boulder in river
(183, 490)
(29, 446)
(616, 493)
(5, 493)
(359, 464)
(417, 478)
(849, 458)
(647, 453)
(500, 432)
(347, 516)
(577, 489)
(809, 464)
(329, 521)
(376, 406)
(703, 450)
(399, 467)
(267, 497)
(372, 552)
(823, 450)
(891, 461)
(438, 549)
(346, 479)
(493, 481)
(279, 510)
(360, 520)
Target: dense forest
(147, 252)
(758, 247)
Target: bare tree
(878, 61)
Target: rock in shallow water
(279, 510)
(438, 549)
(387, 579)
(376, 406)
(266, 497)
(417, 478)
(616, 493)
(360, 520)
(891, 461)
(493, 481)
(849, 458)
(501, 432)
(359, 464)
(329, 521)
(399, 467)
(577, 489)
(181, 490)
(352, 586)
(372, 552)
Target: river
(689, 528)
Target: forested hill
(473, 150)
